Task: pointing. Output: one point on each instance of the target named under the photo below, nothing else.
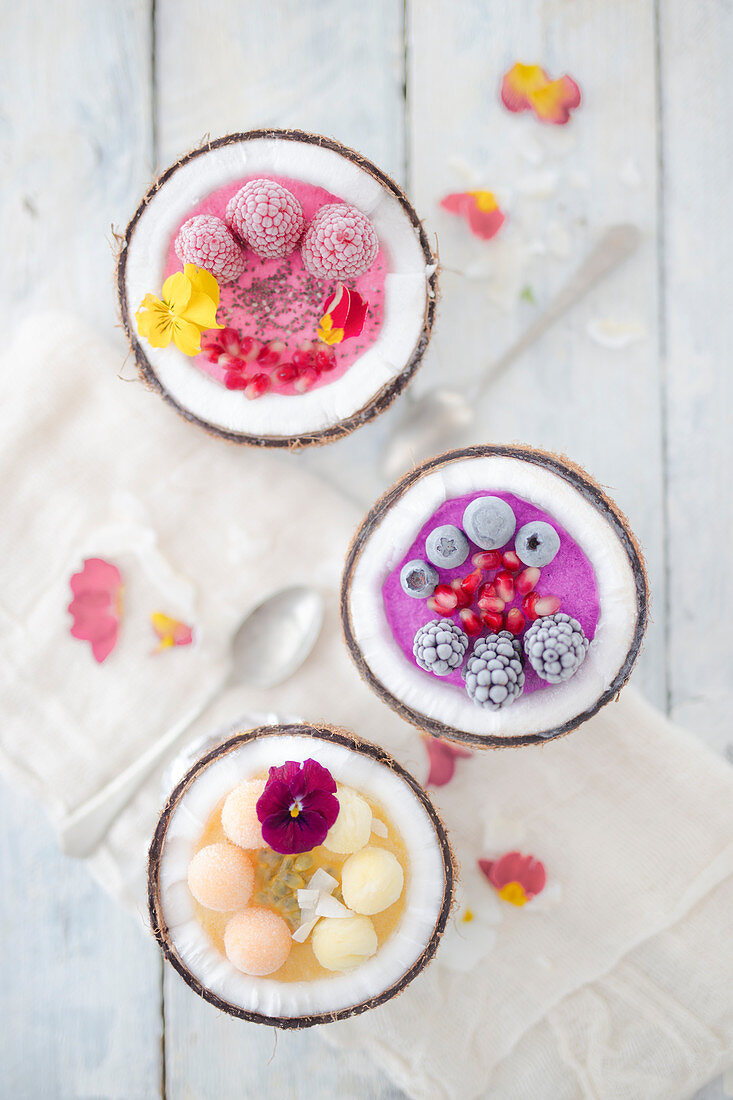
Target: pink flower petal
(442, 756)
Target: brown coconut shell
(335, 736)
(383, 399)
(591, 491)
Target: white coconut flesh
(545, 710)
(425, 880)
(405, 290)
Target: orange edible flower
(479, 208)
(529, 88)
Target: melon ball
(371, 880)
(341, 943)
(257, 941)
(353, 826)
(221, 877)
(239, 814)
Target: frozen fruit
(267, 217)
(494, 671)
(353, 826)
(221, 877)
(239, 814)
(418, 579)
(526, 580)
(340, 243)
(489, 522)
(446, 546)
(537, 543)
(257, 941)
(371, 880)
(556, 647)
(440, 646)
(207, 242)
(342, 943)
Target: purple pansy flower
(297, 807)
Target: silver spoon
(270, 644)
(430, 422)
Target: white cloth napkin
(614, 982)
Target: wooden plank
(76, 148)
(560, 186)
(696, 47)
(80, 997)
(312, 65)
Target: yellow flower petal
(155, 323)
(203, 281)
(201, 311)
(177, 293)
(186, 336)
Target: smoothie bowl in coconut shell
(299, 875)
(495, 596)
(277, 288)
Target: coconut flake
(307, 899)
(303, 931)
(379, 828)
(322, 882)
(331, 907)
(615, 334)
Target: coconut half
(352, 762)
(373, 381)
(577, 503)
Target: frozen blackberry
(494, 672)
(440, 646)
(556, 647)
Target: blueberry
(418, 579)
(446, 546)
(537, 543)
(489, 522)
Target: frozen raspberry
(267, 217)
(340, 243)
(206, 242)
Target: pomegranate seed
(512, 561)
(233, 380)
(546, 605)
(302, 358)
(306, 377)
(463, 598)
(237, 365)
(211, 347)
(487, 559)
(285, 373)
(470, 622)
(249, 348)
(491, 603)
(223, 360)
(528, 603)
(269, 354)
(229, 340)
(486, 590)
(324, 361)
(493, 619)
(504, 583)
(259, 384)
(527, 579)
(515, 621)
(470, 583)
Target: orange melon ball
(221, 877)
(257, 941)
(239, 814)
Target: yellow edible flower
(188, 308)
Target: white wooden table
(97, 94)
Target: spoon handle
(83, 831)
(616, 245)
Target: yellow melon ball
(239, 814)
(371, 880)
(353, 826)
(221, 877)
(257, 941)
(341, 943)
